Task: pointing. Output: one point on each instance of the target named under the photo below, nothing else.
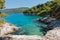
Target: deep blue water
(27, 23)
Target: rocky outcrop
(46, 20)
(51, 35)
(7, 28)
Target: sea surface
(28, 24)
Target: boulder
(53, 34)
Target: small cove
(27, 23)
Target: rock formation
(51, 35)
(7, 29)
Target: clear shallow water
(26, 22)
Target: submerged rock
(49, 22)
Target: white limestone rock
(53, 34)
(7, 29)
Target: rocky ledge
(7, 28)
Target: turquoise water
(27, 23)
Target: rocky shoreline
(50, 23)
(53, 34)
